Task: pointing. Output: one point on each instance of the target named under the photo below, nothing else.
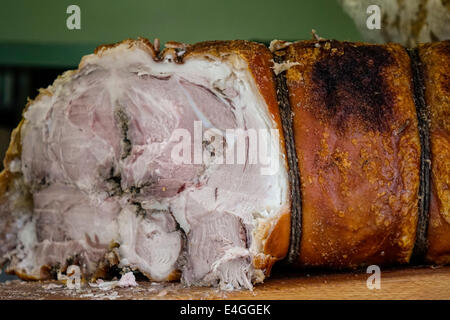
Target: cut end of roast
(104, 181)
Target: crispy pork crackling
(89, 178)
(360, 162)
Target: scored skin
(274, 233)
(436, 73)
(358, 152)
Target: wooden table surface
(405, 283)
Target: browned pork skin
(90, 179)
(436, 73)
(358, 148)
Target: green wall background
(35, 33)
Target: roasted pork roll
(210, 162)
(145, 160)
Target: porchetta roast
(210, 162)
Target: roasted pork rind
(434, 59)
(358, 148)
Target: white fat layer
(15, 166)
(159, 245)
(28, 239)
(231, 81)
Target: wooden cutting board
(408, 283)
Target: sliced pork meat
(150, 242)
(171, 161)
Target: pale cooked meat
(97, 160)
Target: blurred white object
(408, 22)
(127, 280)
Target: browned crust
(435, 59)
(277, 242)
(357, 142)
(260, 63)
(15, 147)
(273, 235)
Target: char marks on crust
(254, 57)
(349, 85)
(143, 42)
